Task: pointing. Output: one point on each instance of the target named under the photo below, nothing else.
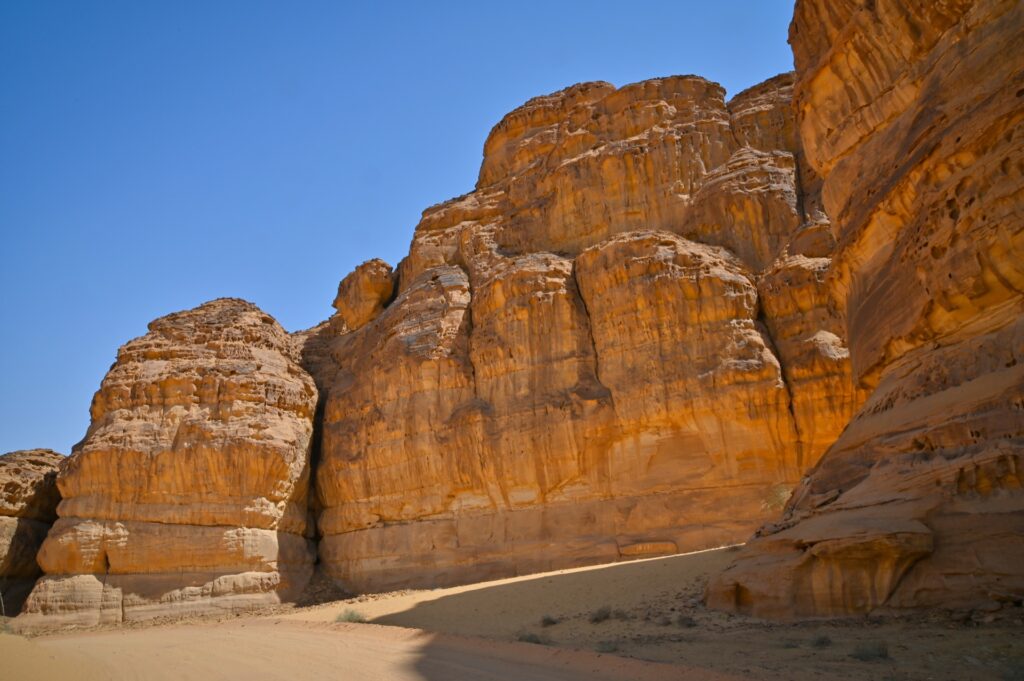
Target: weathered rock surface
(363, 294)
(579, 364)
(28, 506)
(804, 322)
(189, 492)
(912, 113)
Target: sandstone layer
(621, 344)
(28, 506)
(189, 491)
(912, 113)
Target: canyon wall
(629, 340)
(625, 342)
(913, 113)
(621, 344)
(189, 492)
(28, 507)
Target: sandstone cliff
(189, 492)
(913, 114)
(28, 506)
(622, 343)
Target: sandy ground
(640, 620)
(277, 650)
(655, 613)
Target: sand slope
(655, 615)
(656, 612)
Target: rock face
(28, 506)
(913, 114)
(363, 294)
(189, 492)
(621, 344)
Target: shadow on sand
(503, 608)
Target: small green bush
(351, 615)
(606, 646)
(548, 621)
(600, 615)
(821, 641)
(870, 651)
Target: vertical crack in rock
(316, 446)
(481, 405)
(468, 321)
(802, 188)
(786, 379)
(313, 347)
(590, 334)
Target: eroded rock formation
(914, 115)
(363, 294)
(28, 506)
(620, 344)
(189, 492)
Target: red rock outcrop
(189, 492)
(28, 506)
(579, 364)
(912, 113)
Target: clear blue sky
(154, 155)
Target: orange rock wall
(189, 492)
(912, 113)
(618, 345)
(623, 343)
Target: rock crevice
(28, 507)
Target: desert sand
(277, 649)
(656, 628)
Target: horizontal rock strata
(189, 492)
